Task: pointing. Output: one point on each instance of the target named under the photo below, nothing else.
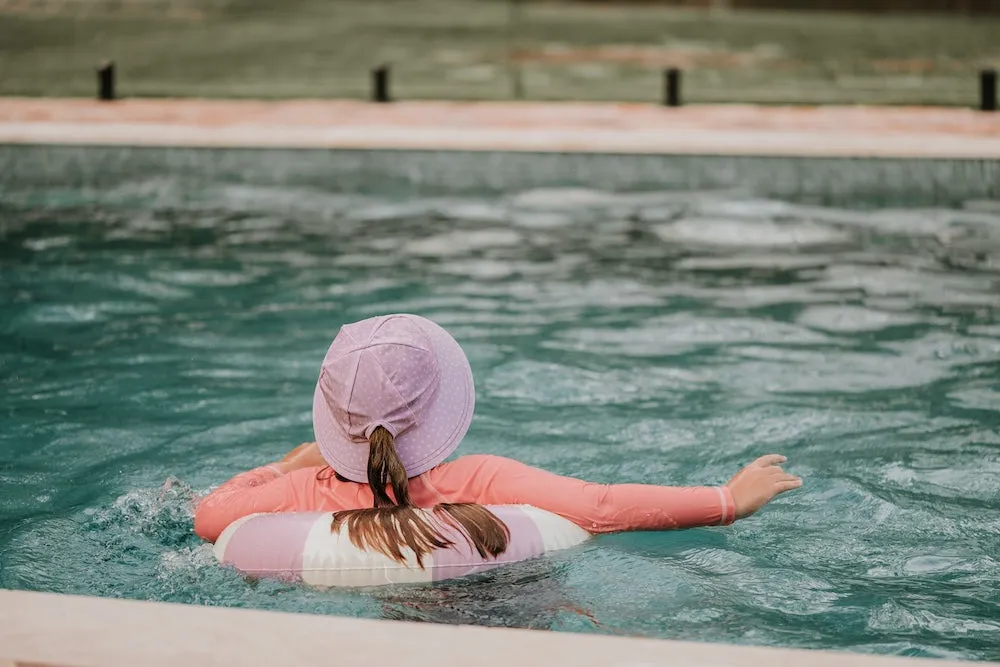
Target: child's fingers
(788, 485)
(770, 460)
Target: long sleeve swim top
(484, 479)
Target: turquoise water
(154, 341)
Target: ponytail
(385, 469)
(394, 523)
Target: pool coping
(635, 129)
(75, 631)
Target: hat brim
(436, 435)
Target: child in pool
(394, 398)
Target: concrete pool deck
(39, 629)
(889, 132)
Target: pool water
(155, 341)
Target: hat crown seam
(365, 349)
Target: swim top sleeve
(600, 508)
(247, 493)
(485, 479)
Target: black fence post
(380, 84)
(988, 90)
(513, 67)
(672, 87)
(106, 81)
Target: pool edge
(559, 127)
(73, 631)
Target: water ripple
(155, 332)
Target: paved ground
(637, 128)
(481, 50)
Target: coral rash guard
(484, 479)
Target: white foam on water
(562, 199)
(853, 318)
(473, 211)
(481, 269)
(463, 242)
(747, 233)
(186, 559)
(745, 208)
(541, 220)
(780, 262)
(43, 244)
(206, 277)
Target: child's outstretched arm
(264, 489)
(605, 508)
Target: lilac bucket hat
(402, 372)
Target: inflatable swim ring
(299, 546)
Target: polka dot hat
(402, 372)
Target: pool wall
(836, 181)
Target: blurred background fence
(867, 6)
(730, 51)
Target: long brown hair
(394, 523)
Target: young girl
(394, 398)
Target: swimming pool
(156, 340)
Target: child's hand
(755, 485)
(305, 455)
(295, 452)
